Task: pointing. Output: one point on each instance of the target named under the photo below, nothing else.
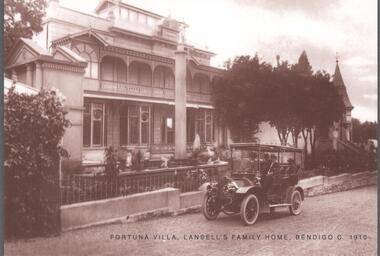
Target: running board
(278, 205)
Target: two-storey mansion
(130, 78)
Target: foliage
(362, 132)
(137, 160)
(34, 126)
(111, 162)
(21, 19)
(336, 162)
(234, 95)
(291, 98)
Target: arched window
(113, 69)
(89, 54)
(163, 77)
(140, 73)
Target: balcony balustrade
(141, 90)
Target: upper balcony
(139, 79)
(136, 90)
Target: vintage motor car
(263, 178)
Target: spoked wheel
(296, 203)
(210, 207)
(249, 209)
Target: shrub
(111, 163)
(34, 126)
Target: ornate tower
(344, 127)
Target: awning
(131, 98)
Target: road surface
(342, 223)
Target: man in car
(264, 166)
(269, 166)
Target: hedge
(34, 126)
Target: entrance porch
(129, 125)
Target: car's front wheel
(210, 207)
(249, 209)
(295, 203)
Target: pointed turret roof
(338, 82)
(337, 79)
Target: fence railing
(88, 187)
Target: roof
(264, 147)
(90, 32)
(101, 4)
(338, 82)
(31, 52)
(337, 78)
(72, 55)
(38, 49)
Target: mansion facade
(130, 78)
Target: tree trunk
(305, 136)
(295, 133)
(313, 139)
(283, 134)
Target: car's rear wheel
(249, 209)
(210, 207)
(296, 203)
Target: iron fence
(89, 187)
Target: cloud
(314, 8)
(359, 61)
(364, 114)
(370, 96)
(369, 78)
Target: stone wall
(322, 184)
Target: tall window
(135, 125)
(200, 121)
(94, 125)
(167, 135)
(89, 54)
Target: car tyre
(249, 209)
(210, 207)
(296, 203)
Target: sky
(325, 29)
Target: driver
(273, 165)
(268, 178)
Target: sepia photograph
(214, 127)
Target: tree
(291, 98)
(236, 96)
(21, 19)
(362, 132)
(323, 106)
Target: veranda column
(180, 102)
(29, 75)
(38, 78)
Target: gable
(65, 54)
(22, 55)
(25, 55)
(25, 51)
(60, 56)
